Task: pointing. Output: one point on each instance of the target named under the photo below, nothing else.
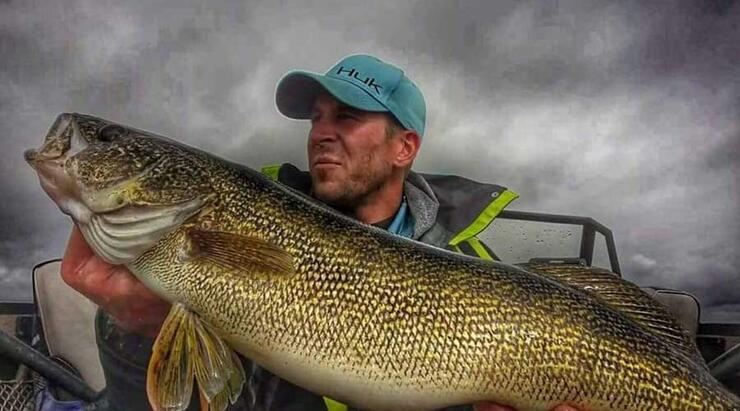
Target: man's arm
(128, 320)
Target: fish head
(125, 188)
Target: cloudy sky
(623, 111)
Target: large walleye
(346, 310)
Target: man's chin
(325, 195)
(326, 174)
(330, 194)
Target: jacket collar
(455, 203)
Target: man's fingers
(90, 275)
(77, 247)
(77, 254)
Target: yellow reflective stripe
(479, 249)
(484, 219)
(332, 405)
(457, 249)
(271, 171)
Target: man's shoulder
(463, 207)
(289, 175)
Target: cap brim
(297, 91)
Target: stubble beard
(357, 188)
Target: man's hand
(489, 406)
(113, 288)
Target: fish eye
(110, 133)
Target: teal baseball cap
(360, 81)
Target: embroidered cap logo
(354, 73)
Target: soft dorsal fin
(625, 297)
(236, 253)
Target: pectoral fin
(187, 348)
(169, 380)
(237, 253)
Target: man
(367, 121)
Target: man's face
(350, 155)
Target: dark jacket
(448, 211)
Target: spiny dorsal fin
(187, 349)
(236, 252)
(624, 297)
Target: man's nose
(322, 131)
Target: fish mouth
(62, 142)
(31, 156)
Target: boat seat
(683, 306)
(68, 320)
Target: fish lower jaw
(66, 203)
(61, 188)
(77, 210)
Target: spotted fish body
(347, 310)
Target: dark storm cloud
(624, 111)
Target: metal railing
(590, 228)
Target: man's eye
(347, 116)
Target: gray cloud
(625, 111)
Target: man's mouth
(326, 162)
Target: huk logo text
(369, 81)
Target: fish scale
(357, 314)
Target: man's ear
(409, 143)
